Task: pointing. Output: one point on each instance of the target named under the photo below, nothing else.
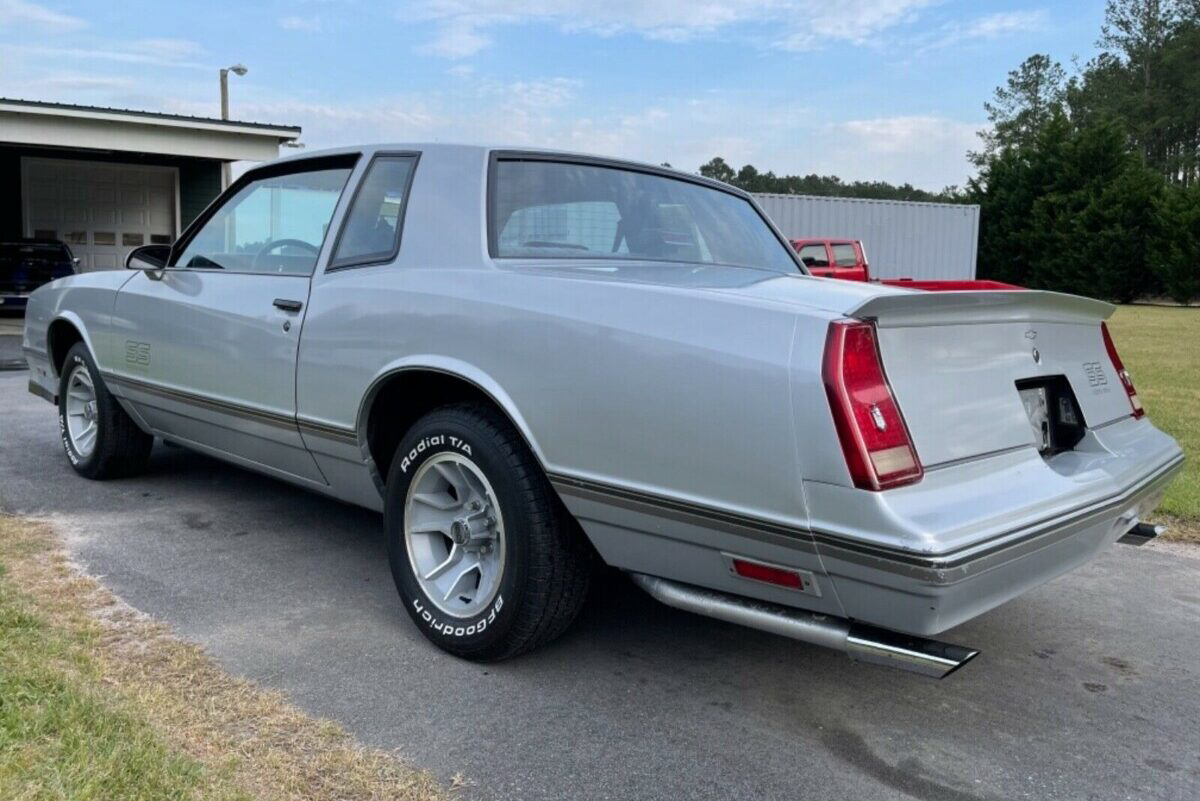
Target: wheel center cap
(89, 410)
(475, 529)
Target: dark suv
(26, 264)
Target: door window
(273, 225)
(844, 255)
(371, 233)
(814, 256)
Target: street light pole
(236, 69)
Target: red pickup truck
(847, 259)
(834, 258)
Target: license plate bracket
(1053, 412)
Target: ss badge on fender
(137, 353)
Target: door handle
(288, 305)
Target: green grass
(98, 703)
(62, 737)
(1161, 349)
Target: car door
(206, 348)
(847, 262)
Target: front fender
(85, 301)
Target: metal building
(902, 239)
(106, 180)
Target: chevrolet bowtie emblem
(1031, 334)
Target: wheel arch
(63, 332)
(416, 387)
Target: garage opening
(100, 210)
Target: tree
(1180, 103)
(1147, 78)
(1010, 184)
(750, 179)
(1119, 229)
(1137, 29)
(718, 170)
(1018, 110)
(1177, 251)
(1074, 211)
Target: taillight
(879, 451)
(1122, 373)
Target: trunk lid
(954, 360)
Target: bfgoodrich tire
(487, 560)
(100, 439)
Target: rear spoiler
(953, 308)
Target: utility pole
(236, 69)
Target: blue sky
(865, 89)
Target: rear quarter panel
(673, 392)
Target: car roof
(434, 148)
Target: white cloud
(311, 24)
(856, 21)
(72, 81)
(14, 13)
(926, 150)
(461, 71)
(1005, 23)
(164, 49)
(548, 93)
(988, 28)
(457, 38)
(334, 124)
(158, 52)
(462, 25)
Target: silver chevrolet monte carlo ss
(532, 361)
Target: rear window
(559, 210)
(844, 255)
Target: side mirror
(152, 259)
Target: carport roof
(36, 122)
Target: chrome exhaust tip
(914, 654)
(1142, 533)
(860, 642)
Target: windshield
(549, 209)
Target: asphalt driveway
(1088, 688)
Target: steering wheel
(279, 243)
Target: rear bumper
(971, 536)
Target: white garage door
(102, 211)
